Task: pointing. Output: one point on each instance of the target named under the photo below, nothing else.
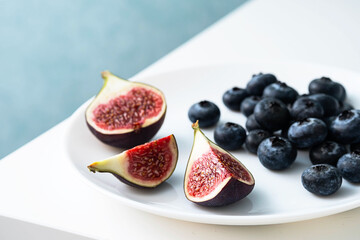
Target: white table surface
(39, 185)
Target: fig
(145, 166)
(214, 177)
(124, 113)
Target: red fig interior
(151, 161)
(211, 169)
(129, 110)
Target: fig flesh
(124, 113)
(146, 166)
(213, 176)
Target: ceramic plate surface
(278, 197)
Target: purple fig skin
(232, 192)
(123, 180)
(129, 139)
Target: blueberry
(206, 112)
(230, 136)
(327, 86)
(276, 153)
(258, 82)
(251, 123)
(281, 91)
(349, 166)
(254, 138)
(327, 152)
(321, 179)
(271, 114)
(330, 104)
(233, 97)
(305, 107)
(307, 133)
(248, 105)
(345, 128)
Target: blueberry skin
(345, 128)
(208, 113)
(330, 104)
(276, 153)
(254, 138)
(281, 91)
(233, 97)
(307, 133)
(321, 179)
(251, 123)
(305, 107)
(230, 136)
(327, 86)
(271, 114)
(258, 82)
(349, 166)
(327, 152)
(248, 105)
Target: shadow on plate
(163, 193)
(242, 207)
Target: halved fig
(124, 113)
(213, 176)
(147, 165)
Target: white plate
(278, 197)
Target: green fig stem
(195, 125)
(105, 74)
(92, 169)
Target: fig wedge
(145, 166)
(213, 176)
(124, 113)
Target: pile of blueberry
(280, 122)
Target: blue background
(52, 52)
